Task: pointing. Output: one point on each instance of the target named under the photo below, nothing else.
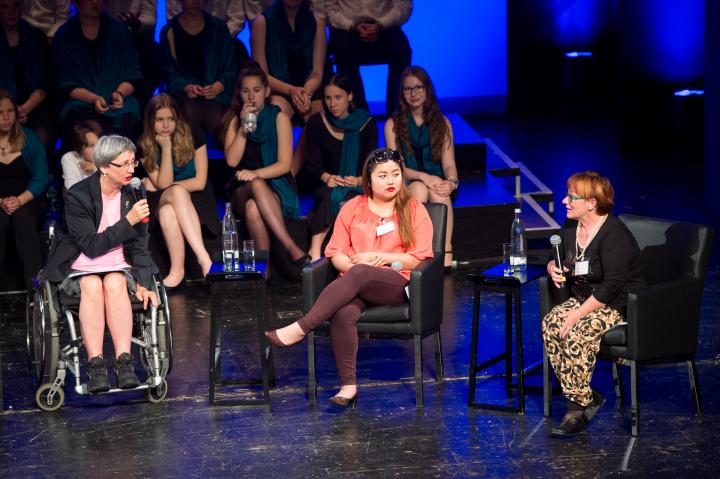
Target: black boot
(125, 370)
(573, 422)
(98, 376)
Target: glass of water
(507, 254)
(249, 255)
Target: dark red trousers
(342, 302)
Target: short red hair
(592, 185)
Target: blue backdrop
(462, 44)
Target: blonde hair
(16, 138)
(183, 147)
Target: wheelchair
(53, 343)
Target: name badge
(385, 228)
(582, 268)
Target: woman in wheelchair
(601, 265)
(377, 239)
(102, 256)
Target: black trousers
(391, 48)
(25, 226)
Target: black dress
(25, 222)
(324, 152)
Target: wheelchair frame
(49, 363)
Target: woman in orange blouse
(382, 227)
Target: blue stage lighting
(690, 93)
(578, 54)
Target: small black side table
(226, 282)
(493, 280)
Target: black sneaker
(573, 423)
(125, 370)
(97, 372)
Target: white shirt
(47, 15)
(343, 14)
(72, 173)
(146, 10)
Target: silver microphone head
(555, 240)
(396, 265)
(135, 183)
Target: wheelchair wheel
(47, 403)
(155, 395)
(42, 339)
(164, 334)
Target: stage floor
(386, 436)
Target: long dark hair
(183, 147)
(439, 131)
(402, 200)
(343, 82)
(251, 69)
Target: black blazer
(83, 211)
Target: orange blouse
(355, 232)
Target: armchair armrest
(316, 276)
(663, 319)
(550, 295)
(426, 294)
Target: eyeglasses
(417, 89)
(385, 154)
(127, 166)
(572, 197)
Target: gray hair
(109, 147)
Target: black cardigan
(83, 211)
(615, 266)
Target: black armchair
(662, 320)
(418, 318)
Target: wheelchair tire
(43, 401)
(34, 340)
(156, 395)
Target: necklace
(580, 250)
(3, 149)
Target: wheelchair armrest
(550, 295)
(426, 294)
(663, 319)
(316, 276)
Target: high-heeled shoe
(345, 402)
(274, 340)
(177, 287)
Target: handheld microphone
(396, 266)
(555, 241)
(138, 192)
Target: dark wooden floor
(386, 436)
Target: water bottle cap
(517, 211)
(227, 205)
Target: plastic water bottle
(231, 253)
(518, 240)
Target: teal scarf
(420, 139)
(284, 47)
(352, 125)
(267, 135)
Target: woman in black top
(25, 54)
(338, 139)
(23, 180)
(601, 265)
(262, 189)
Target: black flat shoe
(177, 287)
(570, 425)
(344, 402)
(302, 261)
